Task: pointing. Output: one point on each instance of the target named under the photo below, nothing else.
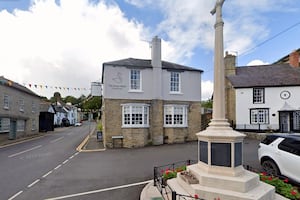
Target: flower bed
(282, 187)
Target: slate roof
(143, 63)
(17, 86)
(276, 75)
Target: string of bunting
(36, 86)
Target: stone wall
(157, 122)
(112, 125)
(194, 120)
(14, 113)
(230, 97)
(135, 137)
(156, 134)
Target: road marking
(58, 166)
(17, 194)
(65, 161)
(33, 183)
(45, 175)
(76, 153)
(16, 154)
(71, 157)
(101, 190)
(52, 141)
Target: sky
(60, 45)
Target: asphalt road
(23, 165)
(107, 175)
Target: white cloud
(190, 25)
(257, 62)
(207, 88)
(65, 45)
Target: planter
(188, 177)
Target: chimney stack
(157, 67)
(156, 52)
(294, 59)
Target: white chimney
(157, 67)
(156, 52)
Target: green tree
(71, 99)
(93, 103)
(207, 104)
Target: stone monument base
(246, 186)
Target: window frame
(170, 112)
(135, 115)
(21, 125)
(6, 102)
(175, 82)
(257, 120)
(33, 107)
(21, 105)
(33, 124)
(258, 98)
(134, 82)
(4, 125)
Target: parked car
(78, 124)
(279, 155)
(65, 122)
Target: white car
(78, 124)
(279, 155)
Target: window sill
(176, 93)
(174, 126)
(135, 91)
(134, 126)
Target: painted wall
(273, 101)
(116, 85)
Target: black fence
(165, 190)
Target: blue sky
(63, 43)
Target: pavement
(91, 143)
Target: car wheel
(270, 168)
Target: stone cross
(219, 5)
(219, 79)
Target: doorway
(13, 130)
(284, 122)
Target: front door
(13, 130)
(284, 121)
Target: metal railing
(165, 190)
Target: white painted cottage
(267, 97)
(150, 101)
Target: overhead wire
(271, 38)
